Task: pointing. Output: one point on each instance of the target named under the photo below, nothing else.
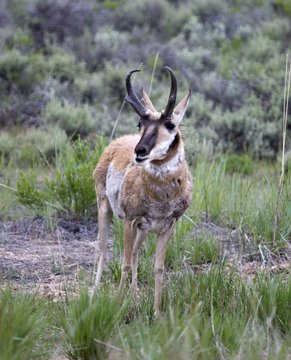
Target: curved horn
(173, 94)
(132, 98)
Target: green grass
(71, 188)
(22, 327)
(90, 324)
(242, 201)
(210, 310)
(211, 314)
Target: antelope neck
(171, 152)
(175, 156)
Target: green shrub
(284, 6)
(73, 186)
(23, 71)
(159, 17)
(63, 65)
(74, 119)
(110, 45)
(15, 39)
(56, 21)
(28, 194)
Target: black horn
(132, 98)
(173, 94)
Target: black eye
(139, 125)
(169, 126)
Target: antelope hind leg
(162, 242)
(129, 235)
(139, 239)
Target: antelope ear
(180, 109)
(146, 101)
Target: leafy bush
(114, 46)
(72, 186)
(284, 6)
(20, 70)
(28, 194)
(63, 65)
(231, 55)
(75, 120)
(156, 16)
(16, 39)
(57, 20)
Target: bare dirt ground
(34, 257)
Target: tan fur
(148, 197)
(119, 153)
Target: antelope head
(158, 130)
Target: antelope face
(158, 129)
(156, 139)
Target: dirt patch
(32, 256)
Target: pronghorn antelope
(144, 180)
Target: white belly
(114, 180)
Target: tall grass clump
(239, 200)
(37, 147)
(91, 323)
(6, 147)
(274, 293)
(186, 249)
(71, 189)
(22, 324)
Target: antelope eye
(169, 126)
(138, 125)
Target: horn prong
(132, 98)
(173, 94)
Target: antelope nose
(141, 150)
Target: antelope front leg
(104, 220)
(127, 253)
(162, 243)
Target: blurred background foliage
(63, 65)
